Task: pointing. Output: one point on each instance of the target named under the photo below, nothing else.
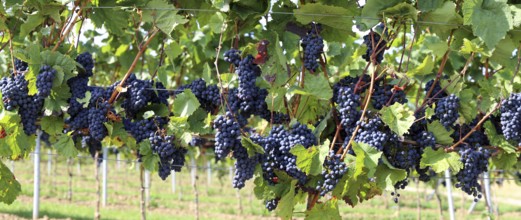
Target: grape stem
(142, 49)
(475, 128)
(364, 111)
(69, 28)
(440, 71)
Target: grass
(217, 200)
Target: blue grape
(511, 118)
(447, 110)
(97, 118)
(374, 45)
(20, 66)
(313, 46)
(86, 61)
(272, 204)
(334, 169)
(475, 162)
(228, 134)
(233, 56)
(44, 81)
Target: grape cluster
(348, 103)
(334, 169)
(475, 162)
(138, 95)
(233, 56)
(20, 66)
(227, 136)
(97, 118)
(313, 46)
(436, 91)
(171, 157)
(86, 61)
(252, 97)
(208, 96)
(78, 87)
(301, 134)
(277, 146)
(370, 132)
(376, 46)
(144, 129)
(511, 118)
(478, 136)
(385, 95)
(44, 80)
(272, 204)
(15, 95)
(244, 169)
(447, 110)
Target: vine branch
(142, 49)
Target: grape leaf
(367, 158)
(371, 12)
(387, 175)
(440, 161)
(317, 86)
(440, 133)
(445, 14)
(10, 186)
(275, 99)
(33, 21)
(114, 20)
(286, 203)
(327, 210)
(148, 158)
(324, 14)
(398, 117)
(65, 146)
(468, 107)
(165, 20)
(490, 19)
(251, 147)
(85, 101)
(185, 104)
(53, 125)
(402, 10)
(308, 160)
(505, 160)
(498, 140)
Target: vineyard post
(97, 213)
(36, 190)
(118, 161)
(472, 206)
(105, 168)
(49, 162)
(209, 173)
(69, 170)
(142, 205)
(488, 199)
(450, 202)
(173, 182)
(147, 187)
(194, 185)
(78, 167)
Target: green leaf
(402, 10)
(53, 125)
(198, 122)
(166, 19)
(505, 160)
(440, 133)
(426, 6)
(324, 14)
(398, 117)
(425, 67)
(275, 99)
(286, 203)
(31, 23)
(308, 160)
(367, 158)
(65, 146)
(322, 211)
(317, 86)
(10, 186)
(440, 161)
(498, 140)
(85, 101)
(185, 104)
(251, 147)
(446, 14)
(387, 175)
(150, 161)
(468, 109)
(490, 19)
(371, 12)
(473, 46)
(114, 20)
